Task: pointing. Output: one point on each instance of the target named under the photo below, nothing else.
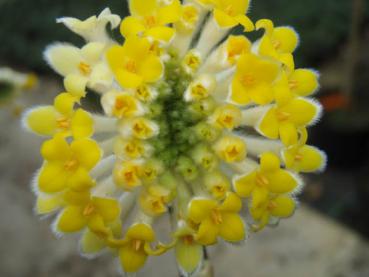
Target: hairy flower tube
(205, 129)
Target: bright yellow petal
(71, 220)
(82, 124)
(141, 231)
(244, 185)
(245, 21)
(131, 26)
(269, 125)
(87, 152)
(232, 203)
(224, 20)
(107, 208)
(239, 94)
(281, 181)
(287, 38)
(304, 82)
(189, 256)
(232, 228)
(151, 69)
(199, 209)
(64, 103)
(170, 13)
(42, 120)
(114, 55)
(259, 197)
(305, 159)
(161, 33)
(91, 244)
(261, 94)
(129, 80)
(132, 260)
(269, 162)
(53, 178)
(284, 206)
(207, 233)
(302, 111)
(80, 180)
(56, 149)
(142, 7)
(288, 134)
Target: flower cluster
(205, 127)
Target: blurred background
(331, 229)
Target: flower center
(248, 80)
(84, 68)
(150, 21)
(137, 244)
(230, 10)
(131, 66)
(63, 123)
(282, 116)
(71, 165)
(188, 240)
(261, 180)
(216, 217)
(89, 210)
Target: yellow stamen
(71, 165)
(248, 80)
(293, 84)
(261, 180)
(63, 123)
(84, 68)
(150, 21)
(282, 116)
(89, 210)
(137, 244)
(216, 216)
(188, 240)
(131, 66)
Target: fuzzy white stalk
(257, 146)
(103, 166)
(211, 35)
(107, 146)
(224, 80)
(105, 188)
(251, 116)
(245, 166)
(104, 124)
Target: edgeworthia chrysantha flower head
(206, 127)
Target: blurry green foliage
(26, 27)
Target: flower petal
(87, 152)
(71, 220)
(244, 185)
(199, 209)
(82, 124)
(107, 208)
(42, 120)
(207, 233)
(189, 256)
(232, 228)
(63, 58)
(53, 178)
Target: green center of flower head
(179, 121)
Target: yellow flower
(89, 211)
(253, 81)
(304, 158)
(60, 118)
(278, 43)
(134, 253)
(230, 149)
(217, 184)
(269, 177)
(227, 117)
(67, 166)
(229, 13)
(188, 251)
(283, 121)
(121, 104)
(93, 28)
(153, 200)
(189, 17)
(81, 67)
(265, 208)
(130, 149)
(126, 174)
(139, 128)
(217, 219)
(150, 19)
(134, 64)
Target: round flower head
(207, 128)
